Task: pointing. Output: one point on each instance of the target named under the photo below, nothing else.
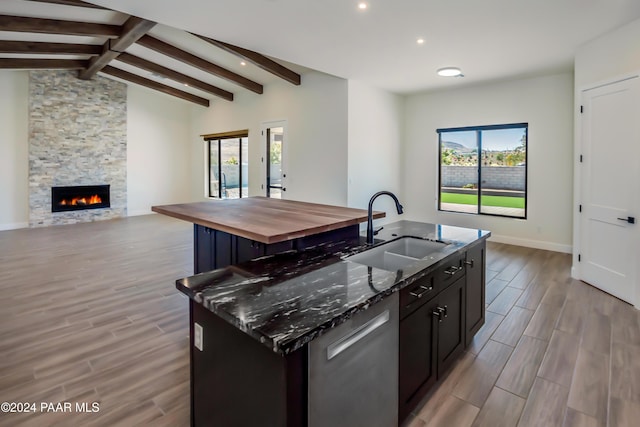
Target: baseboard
(14, 226)
(140, 212)
(537, 244)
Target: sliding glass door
(228, 167)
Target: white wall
(158, 150)
(608, 57)
(546, 104)
(375, 120)
(14, 150)
(316, 146)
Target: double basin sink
(398, 254)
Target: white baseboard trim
(140, 213)
(14, 226)
(537, 244)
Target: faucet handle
(376, 231)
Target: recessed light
(243, 63)
(450, 72)
(362, 5)
(420, 40)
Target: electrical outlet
(197, 336)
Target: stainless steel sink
(398, 254)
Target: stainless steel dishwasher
(353, 371)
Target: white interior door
(609, 232)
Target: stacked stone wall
(77, 136)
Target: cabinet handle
(440, 313)
(452, 270)
(425, 290)
(469, 263)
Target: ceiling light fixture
(243, 63)
(450, 72)
(420, 40)
(362, 5)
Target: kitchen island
(232, 231)
(272, 338)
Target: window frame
(479, 130)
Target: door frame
(578, 177)
(263, 150)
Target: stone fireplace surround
(77, 136)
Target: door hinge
(579, 208)
(579, 257)
(581, 109)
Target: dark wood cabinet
(475, 290)
(215, 249)
(450, 314)
(417, 361)
(439, 314)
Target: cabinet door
(203, 243)
(417, 363)
(450, 324)
(475, 291)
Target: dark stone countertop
(286, 300)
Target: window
(227, 165)
(483, 170)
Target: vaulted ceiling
(489, 39)
(75, 35)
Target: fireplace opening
(78, 197)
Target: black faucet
(370, 213)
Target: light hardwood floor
(89, 313)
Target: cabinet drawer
(451, 271)
(416, 294)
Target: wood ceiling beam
(56, 26)
(49, 48)
(78, 3)
(125, 75)
(127, 58)
(186, 57)
(257, 59)
(37, 64)
(132, 30)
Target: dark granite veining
(286, 300)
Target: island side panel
(237, 381)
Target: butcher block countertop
(267, 220)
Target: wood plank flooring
(569, 353)
(89, 313)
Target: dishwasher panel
(353, 370)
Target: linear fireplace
(78, 197)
